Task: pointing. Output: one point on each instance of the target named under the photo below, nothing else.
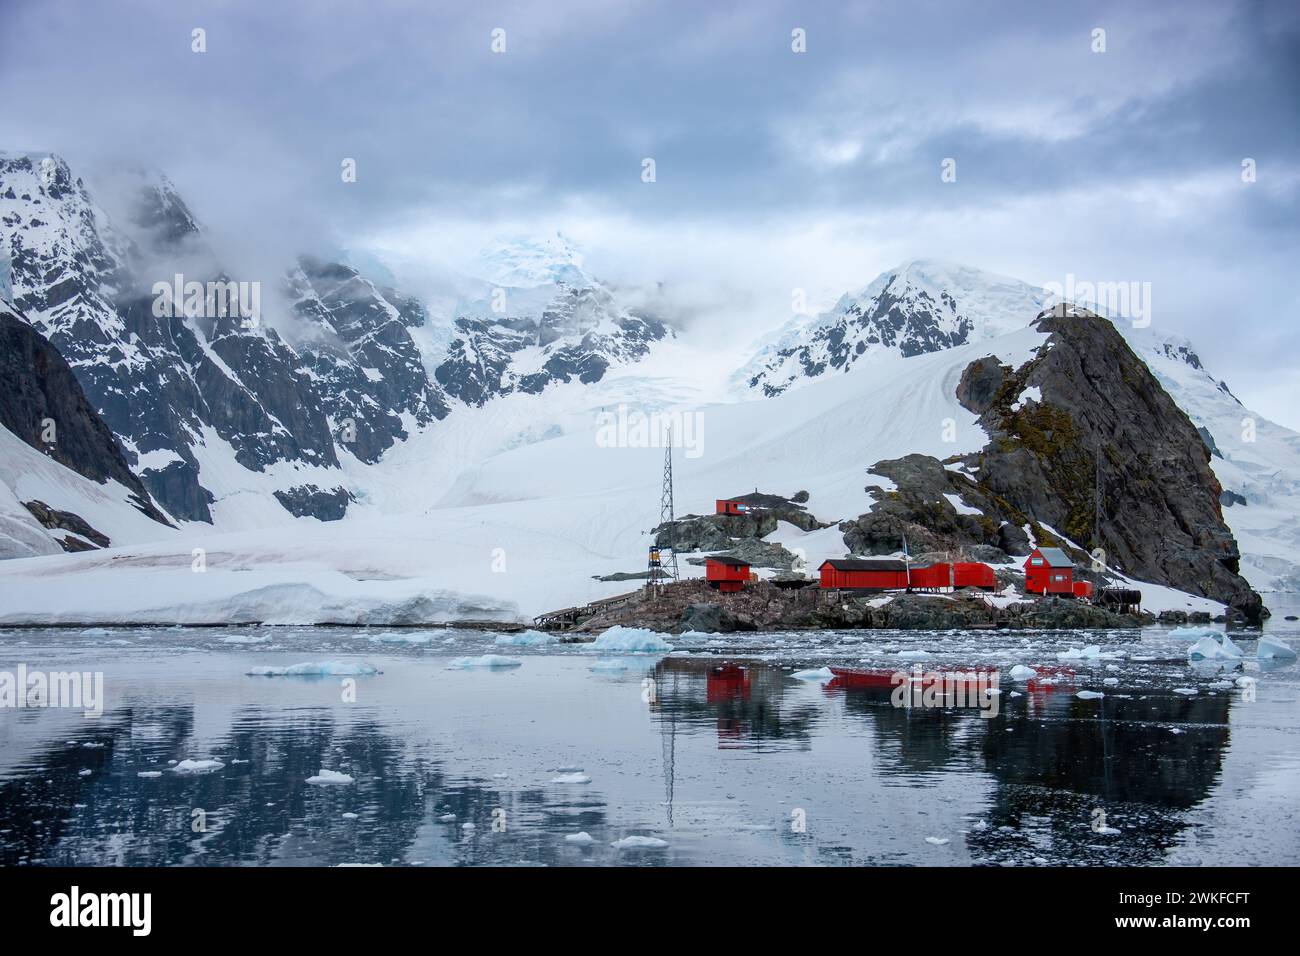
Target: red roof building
(726, 574)
(1049, 571)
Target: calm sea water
(725, 756)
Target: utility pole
(666, 507)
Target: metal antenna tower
(1096, 503)
(666, 507)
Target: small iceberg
(1270, 648)
(639, 843)
(489, 661)
(318, 669)
(1194, 633)
(331, 777)
(575, 777)
(1021, 672)
(1214, 647)
(527, 639)
(637, 640)
(198, 766)
(1089, 694)
(582, 839)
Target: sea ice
(575, 777)
(1272, 647)
(331, 777)
(318, 669)
(490, 661)
(584, 838)
(1214, 647)
(1089, 694)
(634, 639)
(198, 766)
(821, 674)
(527, 639)
(1021, 672)
(1194, 633)
(639, 843)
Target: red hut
(726, 574)
(1084, 590)
(873, 574)
(730, 506)
(973, 574)
(1049, 571)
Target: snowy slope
(922, 306)
(528, 525)
(1256, 461)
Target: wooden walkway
(572, 616)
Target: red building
(1084, 590)
(961, 574)
(878, 574)
(1049, 571)
(726, 574)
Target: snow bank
(631, 639)
(318, 669)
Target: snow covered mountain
(243, 419)
(544, 321)
(922, 306)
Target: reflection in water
(717, 759)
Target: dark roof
(877, 564)
(734, 562)
(1056, 558)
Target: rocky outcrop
(310, 501)
(43, 404)
(740, 535)
(57, 520)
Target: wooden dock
(572, 616)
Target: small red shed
(1084, 590)
(879, 574)
(730, 506)
(726, 574)
(1049, 571)
(973, 574)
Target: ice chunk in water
(821, 674)
(1272, 647)
(1214, 648)
(318, 669)
(198, 766)
(490, 661)
(527, 639)
(331, 777)
(584, 838)
(1194, 633)
(634, 639)
(1021, 672)
(639, 843)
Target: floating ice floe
(914, 655)
(318, 669)
(527, 639)
(1186, 691)
(1089, 694)
(331, 777)
(149, 774)
(1270, 648)
(584, 838)
(1214, 647)
(1021, 672)
(1245, 681)
(820, 674)
(1092, 652)
(639, 843)
(349, 816)
(393, 637)
(936, 841)
(243, 639)
(198, 766)
(1194, 633)
(489, 661)
(576, 776)
(638, 640)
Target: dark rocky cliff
(39, 387)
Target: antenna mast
(666, 506)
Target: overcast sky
(775, 170)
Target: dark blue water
(725, 756)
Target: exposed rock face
(1162, 519)
(739, 536)
(577, 336)
(311, 501)
(67, 521)
(710, 618)
(920, 307)
(40, 389)
(921, 510)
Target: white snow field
(524, 529)
(546, 504)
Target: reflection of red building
(1049, 571)
(723, 685)
(726, 574)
